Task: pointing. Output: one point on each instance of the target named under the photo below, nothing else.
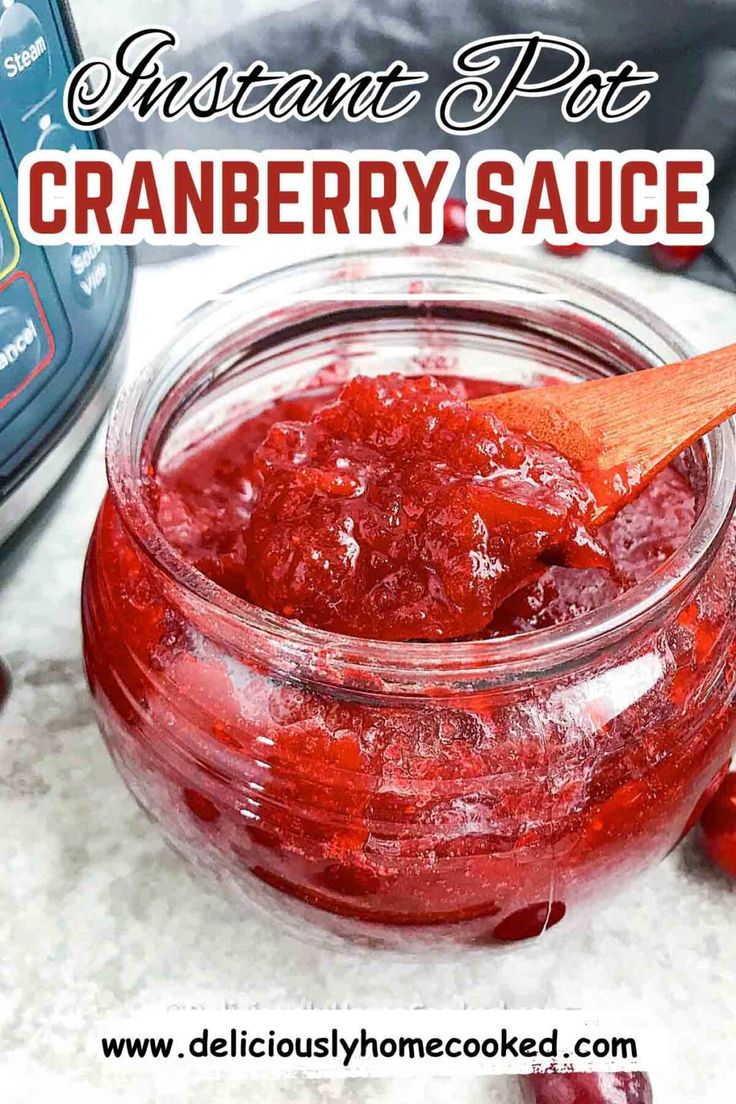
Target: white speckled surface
(98, 917)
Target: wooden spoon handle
(625, 429)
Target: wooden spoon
(619, 432)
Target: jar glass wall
(406, 794)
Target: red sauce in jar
(394, 510)
(497, 809)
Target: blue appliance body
(62, 308)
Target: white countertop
(97, 916)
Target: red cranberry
(454, 227)
(718, 826)
(675, 258)
(351, 880)
(574, 250)
(586, 1088)
(4, 683)
(708, 793)
(528, 922)
(201, 806)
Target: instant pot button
(91, 274)
(9, 246)
(55, 136)
(26, 342)
(25, 61)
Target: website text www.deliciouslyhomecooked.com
(371, 1052)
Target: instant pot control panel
(62, 307)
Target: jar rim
(493, 661)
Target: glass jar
(406, 794)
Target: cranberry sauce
(396, 511)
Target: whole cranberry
(705, 799)
(4, 683)
(573, 250)
(676, 258)
(718, 826)
(586, 1088)
(529, 921)
(201, 806)
(455, 226)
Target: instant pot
(62, 308)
